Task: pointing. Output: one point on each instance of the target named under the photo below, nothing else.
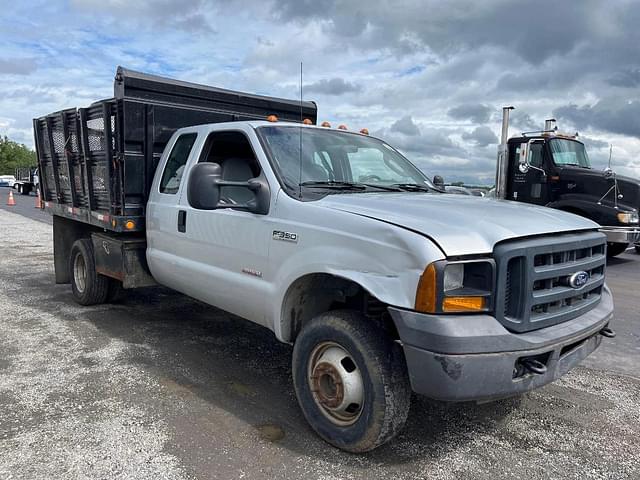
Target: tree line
(13, 155)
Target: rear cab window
(174, 168)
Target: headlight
(628, 217)
(454, 287)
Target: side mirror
(205, 182)
(438, 181)
(203, 190)
(523, 159)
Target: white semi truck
(331, 239)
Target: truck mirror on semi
(331, 239)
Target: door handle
(182, 221)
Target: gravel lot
(161, 386)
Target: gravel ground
(161, 386)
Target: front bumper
(621, 234)
(473, 357)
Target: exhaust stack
(550, 125)
(501, 167)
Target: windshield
(569, 152)
(333, 159)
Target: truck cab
(554, 170)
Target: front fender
(388, 270)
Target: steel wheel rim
(80, 273)
(336, 383)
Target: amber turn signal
(463, 304)
(129, 224)
(426, 291)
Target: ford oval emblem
(578, 279)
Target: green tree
(13, 155)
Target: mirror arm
(544, 173)
(251, 185)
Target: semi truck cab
(552, 169)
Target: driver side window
(535, 155)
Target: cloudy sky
(428, 76)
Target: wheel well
(317, 293)
(65, 233)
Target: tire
(345, 345)
(88, 286)
(614, 249)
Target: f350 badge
(285, 236)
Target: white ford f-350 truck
(332, 239)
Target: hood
(459, 224)
(595, 183)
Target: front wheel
(87, 285)
(351, 381)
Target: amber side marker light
(129, 224)
(463, 304)
(426, 291)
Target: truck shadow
(199, 353)
(620, 260)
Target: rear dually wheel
(87, 285)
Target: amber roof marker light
(325, 124)
(272, 118)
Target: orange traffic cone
(11, 202)
(38, 200)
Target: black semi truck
(553, 169)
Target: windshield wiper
(389, 188)
(412, 187)
(332, 184)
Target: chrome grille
(533, 279)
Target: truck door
(529, 187)
(225, 251)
